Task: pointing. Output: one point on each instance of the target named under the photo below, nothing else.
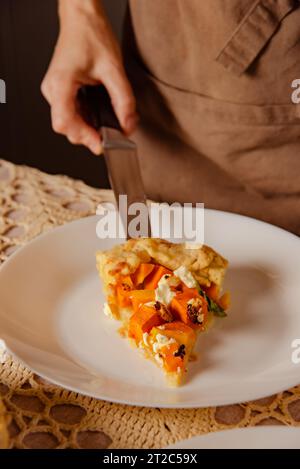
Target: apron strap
(253, 33)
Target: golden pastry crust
(204, 263)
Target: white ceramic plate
(51, 318)
(245, 438)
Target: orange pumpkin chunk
(152, 280)
(141, 273)
(138, 297)
(143, 321)
(185, 311)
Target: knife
(120, 156)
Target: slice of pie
(164, 294)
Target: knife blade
(120, 156)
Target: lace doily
(45, 416)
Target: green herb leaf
(217, 310)
(213, 307)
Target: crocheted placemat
(4, 422)
(43, 415)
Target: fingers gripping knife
(120, 155)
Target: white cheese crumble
(107, 310)
(145, 338)
(185, 276)
(164, 294)
(162, 341)
(200, 318)
(156, 347)
(169, 280)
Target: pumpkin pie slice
(164, 294)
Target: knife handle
(96, 107)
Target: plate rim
(251, 429)
(187, 405)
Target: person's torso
(242, 51)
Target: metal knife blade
(120, 156)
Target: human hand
(86, 53)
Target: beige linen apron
(213, 84)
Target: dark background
(28, 31)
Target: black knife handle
(96, 108)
